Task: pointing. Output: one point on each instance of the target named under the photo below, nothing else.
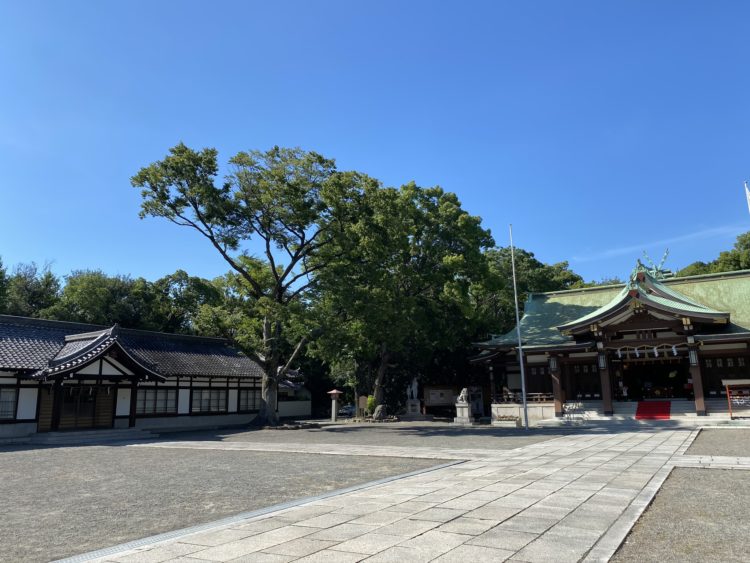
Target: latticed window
(156, 401)
(249, 399)
(209, 400)
(8, 403)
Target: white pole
(518, 332)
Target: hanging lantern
(637, 354)
(619, 354)
(656, 352)
(674, 350)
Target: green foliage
(291, 202)
(91, 296)
(610, 280)
(494, 303)
(170, 304)
(371, 404)
(738, 258)
(398, 283)
(178, 300)
(30, 290)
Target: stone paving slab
(575, 497)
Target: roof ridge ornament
(656, 271)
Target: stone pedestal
(414, 411)
(463, 414)
(413, 407)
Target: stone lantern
(335, 394)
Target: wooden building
(655, 337)
(64, 376)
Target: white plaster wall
(232, 400)
(123, 402)
(183, 401)
(117, 364)
(27, 404)
(295, 408)
(91, 369)
(8, 380)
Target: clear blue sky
(599, 129)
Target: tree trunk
(379, 391)
(267, 415)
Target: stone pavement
(566, 499)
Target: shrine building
(654, 338)
(69, 376)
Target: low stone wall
(190, 422)
(537, 411)
(17, 429)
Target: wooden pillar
(557, 389)
(57, 396)
(697, 377)
(492, 384)
(606, 384)
(133, 400)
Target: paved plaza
(559, 498)
(64, 501)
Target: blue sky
(598, 129)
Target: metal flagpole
(747, 195)
(518, 331)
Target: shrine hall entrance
(661, 379)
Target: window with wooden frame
(249, 400)
(156, 401)
(209, 400)
(8, 399)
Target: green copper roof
(712, 294)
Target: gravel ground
(698, 515)
(435, 435)
(724, 441)
(63, 501)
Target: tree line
(367, 284)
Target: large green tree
(494, 296)
(91, 296)
(177, 300)
(400, 292)
(289, 203)
(31, 290)
(738, 258)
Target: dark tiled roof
(28, 344)
(34, 344)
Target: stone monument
(413, 404)
(463, 409)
